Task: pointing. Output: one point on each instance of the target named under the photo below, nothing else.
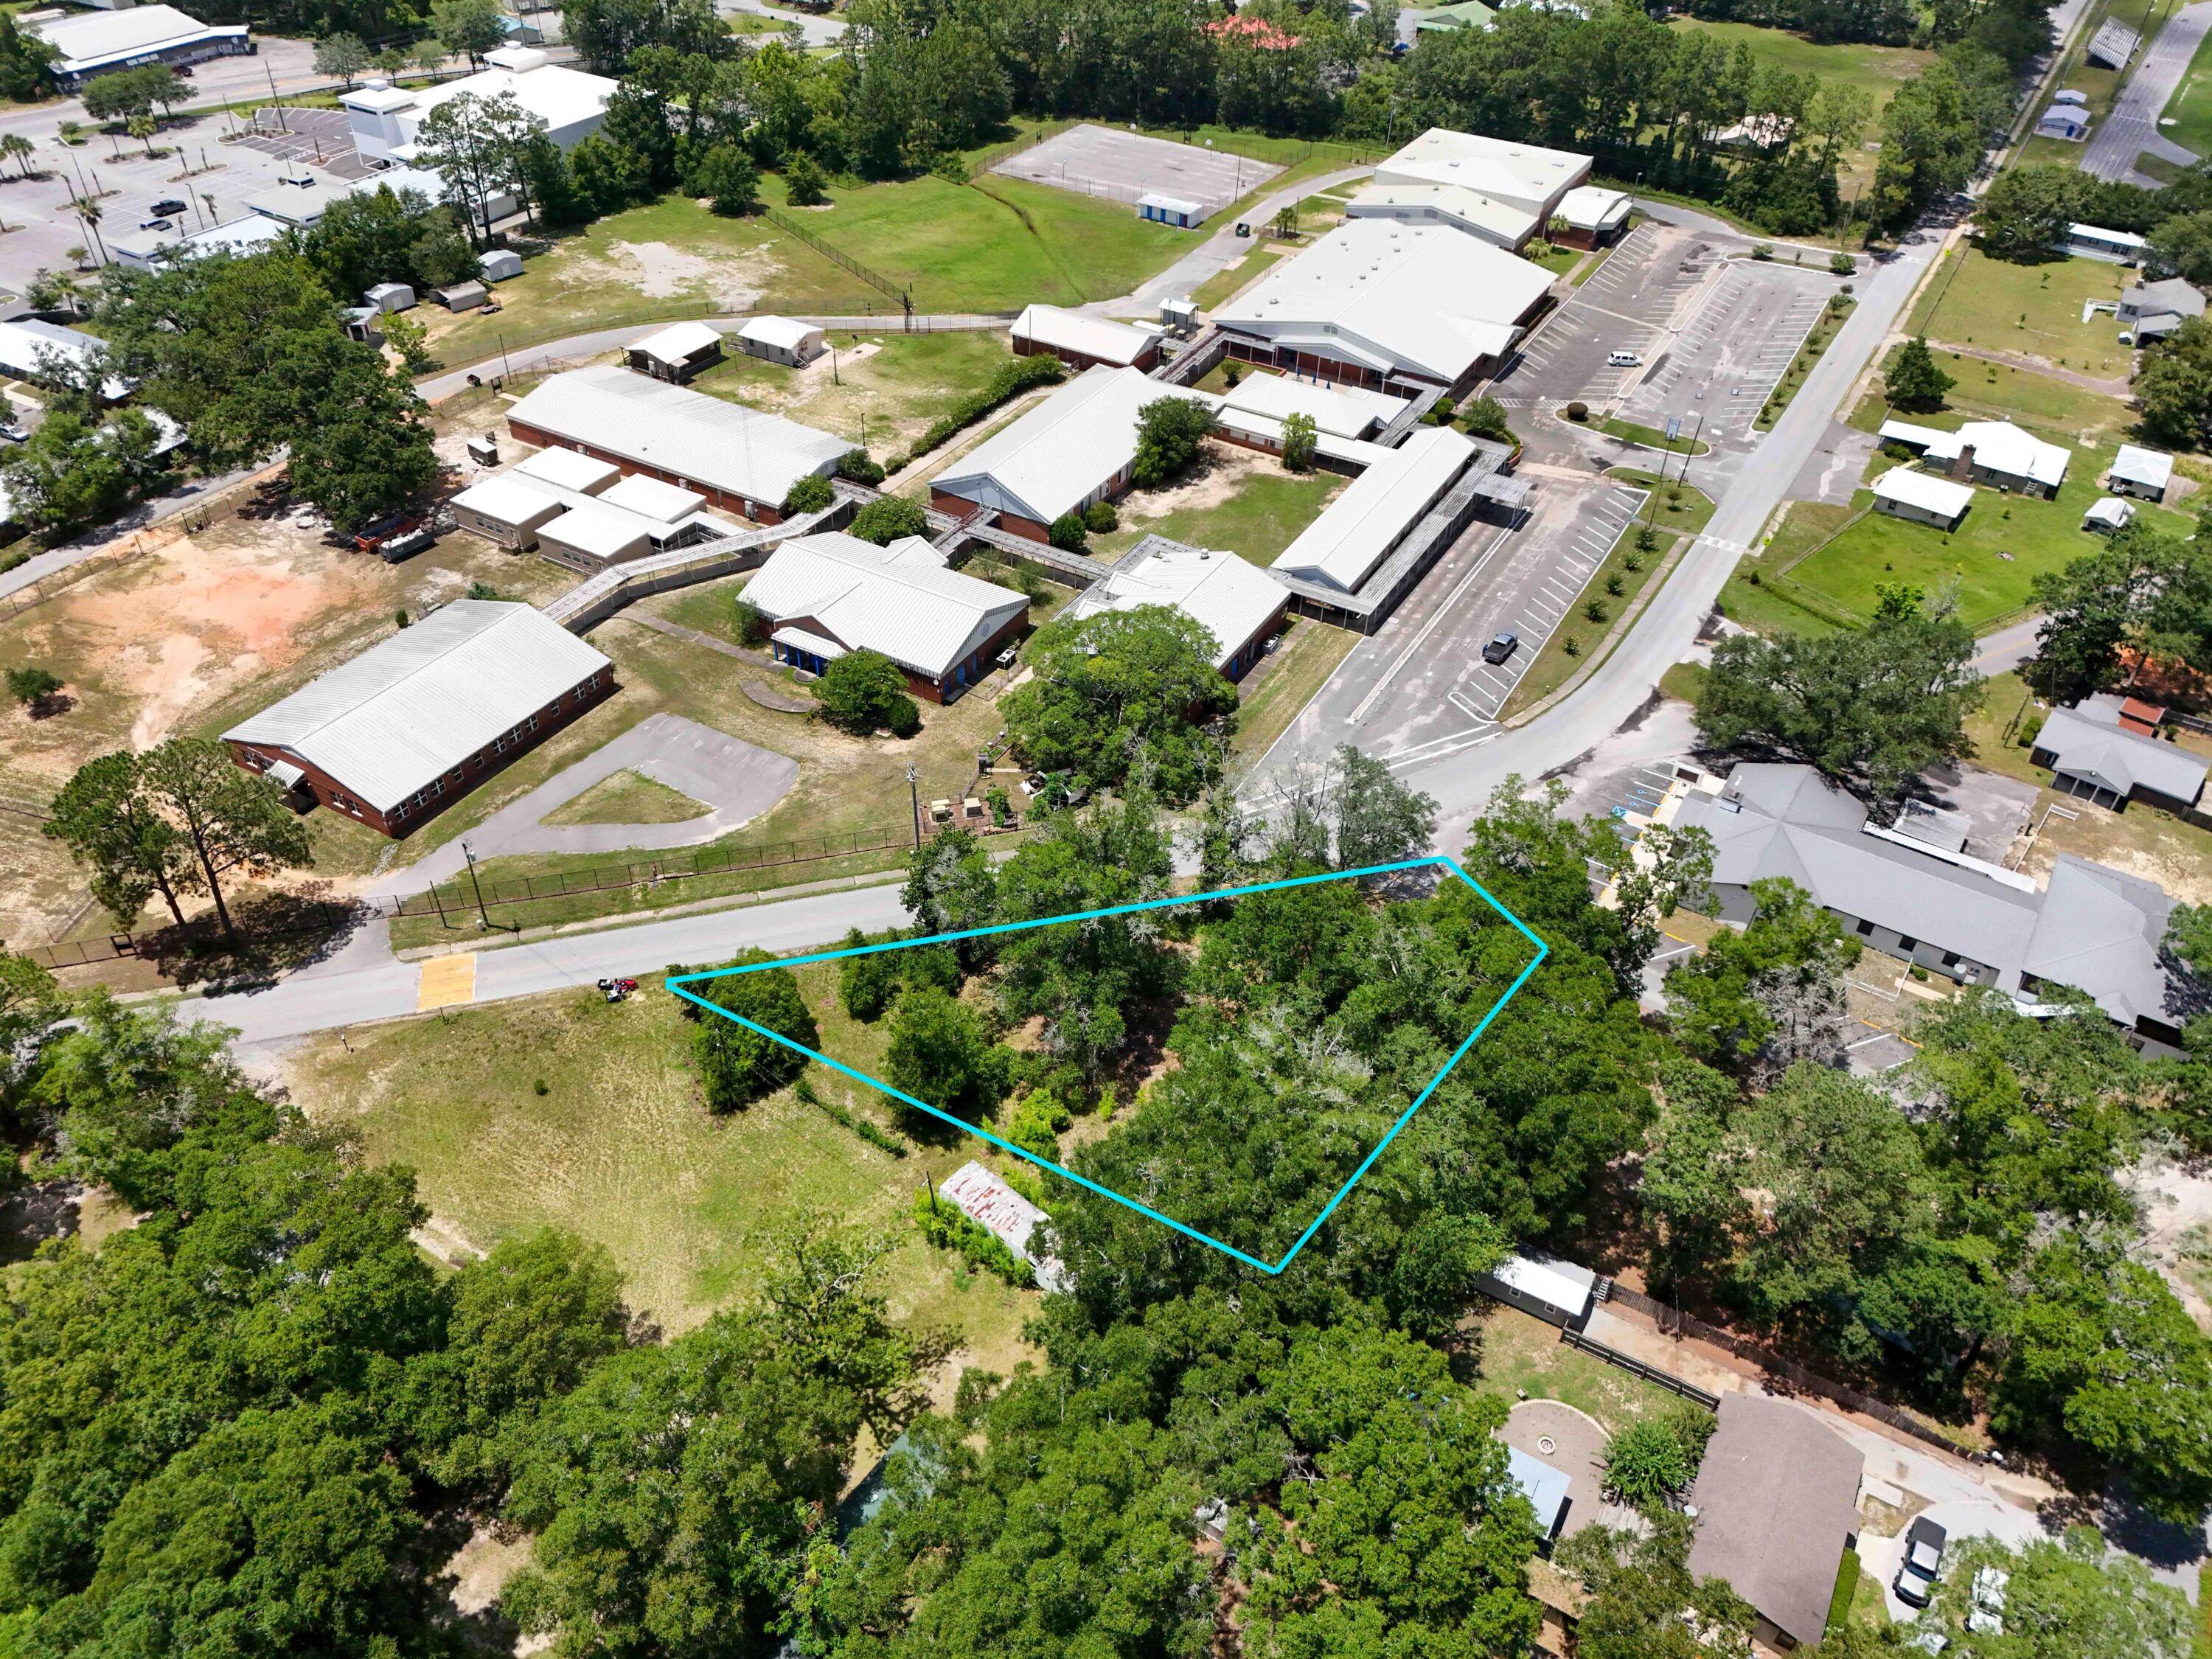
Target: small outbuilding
(2063, 121)
(783, 340)
(590, 538)
(2108, 513)
(1179, 317)
(1183, 213)
(508, 510)
(362, 323)
(2068, 95)
(677, 352)
(462, 296)
(1081, 341)
(2119, 247)
(1558, 1292)
(391, 296)
(2144, 473)
(501, 264)
(1904, 492)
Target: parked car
(1923, 1564)
(1502, 647)
(15, 432)
(155, 224)
(1624, 360)
(168, 207)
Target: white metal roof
(799, 639)
(1344, 410)
(991, 1204)
(571, 469)
(1232, 598)
(1561, 1285)
(1918, 489)
(2142, 466)
(674, 429)
(1046, 463)
(560, 97)
(22, 344)
(1361, 525)
(298, 205)
(1525, 176)
(922, 617)
(1093, 337)
(604, 532)
(1455, 205)
(81, 43)
(1182, 204)
(662, 502)
(2098, 234)
(413, 707)
(2003, 447)
(238, 236)
(1398, 296)
(512, 498)
(785, 333)
(2109, 511)
(678, 342)
(1591, 207)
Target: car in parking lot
(155, 224)
(168, 206)
(1501, 647)
(1624, 360)
(1922, 1565)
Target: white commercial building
(1359, 530)
(1389, 306)
(31, 350)
(85, 46)
(565, 468)
(1076, 446)
(419, 719)
(1337, 411)
(1904, 492)
(831, 593)
(1527, 179)
(1080, 341)
(582, 514)
(1238, 603)
(385, 118)
(237, 237)
(1449, 207)
(1592, 215)
(736, 458)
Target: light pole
(913, 795)
(481, 916)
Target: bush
(1648, 1463)
(803, 182)
(752, 623)
(944, 1225)
(809, 494)
(1101, 518)
(854, 465)
(942, 1052)
(1842, 264)
(1168, 433)
(1037, 1123)
(2031, 728)
(1231, 372)
(884, 520)
(738, 1065)
(1579, 410)
(32, 686)
(1010, 379)
(862, 690)
(1485, 418)
(1762, 250)
(1067, 533)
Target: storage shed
(1558, 1292)
(1174, 210)
(783, 340)
(2108, 513)
(677, 352)
(391, 296)
(462, 296)
(501, 264)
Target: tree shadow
(278, 933)
(32, 1215)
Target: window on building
(1866, 930)
(1904, 943)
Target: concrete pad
(1832, 471)
(447, 981)
(1104, 162)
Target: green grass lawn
(1879, 70)
(627, 797)
(2191, 108)
(1225, 285)
(1554, 662)
(2003, 542)
(887, 397)
(1518, 1352)
(1308, 655)
(1652, 437)
(2033, 311)
(1248, 506)
(620, 1148)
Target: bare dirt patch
(660, 270)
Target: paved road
(2132, 127)
(2006, 649)
(386, 989)
(818, 31)
(159, 510)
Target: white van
(1623, 360)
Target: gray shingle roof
(1776, 1500)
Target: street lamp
(481, 916)
(914, 795)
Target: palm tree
(88, 215)
(141, 127)
(15, 147)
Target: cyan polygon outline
(1438, 860)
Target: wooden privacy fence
(1650, 1374)
(1672, 1322)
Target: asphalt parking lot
(1419, 689)
(1097, 161)
(1638, 294)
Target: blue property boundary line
(1436, 861)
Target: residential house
(2151, 311)
(1905, 492)
(2140, 472)
(2092, 754)
(1995, 453)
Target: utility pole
(481, 915)
(913, 795)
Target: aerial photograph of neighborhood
(1105, 829)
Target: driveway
(2132, 127)
(738, 781)
(1961, 1518)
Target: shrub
(1842, 264)
(32, 686)
(1644, 1465)
(1595, 610)
(1614, 585)
(1067, 533)
(1762, 250)
(1485, 418)
(1301, 439)
(942, 1052)
(1101, 518)
(1167, 433)
(1010, 379)
(884, 520)
(1037, 1123)
(862, 690)
(809, 494)
(752, 623)
(2031, 728)
(1231, 372)
(1579, 410)
(738, 1065)
(803, 181)
(854, 465)
(944, 1225)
